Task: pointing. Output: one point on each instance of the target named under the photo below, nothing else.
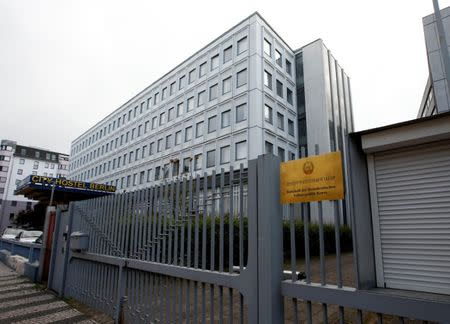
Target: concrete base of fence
(20, 265)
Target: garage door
(413, 208)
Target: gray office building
(244, 94)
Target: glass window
(226, 116)
(210, 158)
(190, 104)
(241, 150)
(289, 95)
(214, 62)
(212, 124)
(181, 82)
(155, 101)
(201, 98)
(291, 156)
(281, 154)
(168, 141)
(280, 121)
(159, 148)
(154, 122)
(198, 162)
(199, 129)
(187, 164)
(188, 134)
(178, 138)
(288, 67)
(241, 78)
(227, 54)
(141, 177)
(179, 109)
(267, 79)
(175, 168)
(267, 47)
(269, 147)
(242, 45)
(191, 76)
(241, 113)
(268, 115)
(171, 114)
(213, 91)
(19, 171)
(151, 149)
(22, 161)
(172, 88)
(279, 89)
(202, 70)
(157, 172)
(225, 154)
(291, 127)
(164, 93)
(226, 85)
(162, 118)
(149, 174)
(278, 58)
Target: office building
(245, 94)
(16, 163)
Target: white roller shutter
(413, 207)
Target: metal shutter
(413, 197)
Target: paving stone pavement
(22, 302)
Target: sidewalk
(21, 302)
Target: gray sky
(64, 65)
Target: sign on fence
(312, 179)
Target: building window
(171, 114)
(212, 124)
(186, 164)
(242, 45)
(241, 112)
(188, 134)
(162, 118)
(164, 93)
(168, 141)
(226, 85)
(34, 172)
(267, 79)
(175, 168)
(159, 147)
(214, 62)
(201, 98)
(141, 177)
(291, 156)
(181, 82)
(227, 54)
(225, 154)
(190, 104)
(198, 162)
(191, 76)
(155, 101)
(210, 158)
(3, 168)
(22, 161)
(157, 172)
(35, 165)
(151, 150)
(267, 47)
(149, 175)
(213, 91)
(202, 70)
(172, 88)
(14, 203)
(199, 129)
(241, 150)
(226, 116)
(154, 124)
(291, 127)
(37, 154)
(134, 179)
(278, 58)
(178, 138)
(289, 96)
(288, 67)
(279, 89)
(281, 154)
(2, 179)
(280, 121)
(20, 171)
(241, 78)
(268, 115)
(269, 147)
(179, 109)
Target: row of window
(6, 148)
(268, 117)
(278, 57)
(279, 88)
(242, 46)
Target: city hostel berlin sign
(312, 179)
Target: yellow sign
(312, 179)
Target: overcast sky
(64, 65)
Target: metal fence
(203, 250)
(31, 251)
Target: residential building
(245, 94)
(16, 163)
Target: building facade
(245, 94)
(16, 163)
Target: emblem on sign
(308, 167)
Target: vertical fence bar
(177, 225)
(183, 221)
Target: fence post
(67, 249)
(270, 241)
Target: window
(291, 156)
(162, 118)
(242, 45)
(134, 179)
(241, 150)
(202, 70)
(198, 162)
(172, 88)
(141, 177)
(3, 168)
(149, 174)
(179, 109)
(22, 161)
(210, 158)
(5, 158)
(291, 127)
(213, 90)
(280, 121)
(267, 79)
(34, 173)
(20, 171)
(171, 114)
(164, 93)
(159, 148)
(289, 95)
(269, 147)
(241, 113)
(279, 89)
(281, 154)
(175, 168)
(268, 115)
(225, 154)
(155, 99)
(186, 164)
(13, 203)
(157, 172)
(190, 104)
(178, 138)
(226, 116)
(241, 78)
(2, 179)
(201, 98)
(131, 155)
(267, 47)
(278, 58)
(288, 67)
(154, 122)
(212, 124)
(214, 62)
(227, 54)
(199, 129)
(181, 82)
(226, 85)
(188, 134)
(151, 149)
(37, 154)
(168, 141)
(35, 165)
(191, 76)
